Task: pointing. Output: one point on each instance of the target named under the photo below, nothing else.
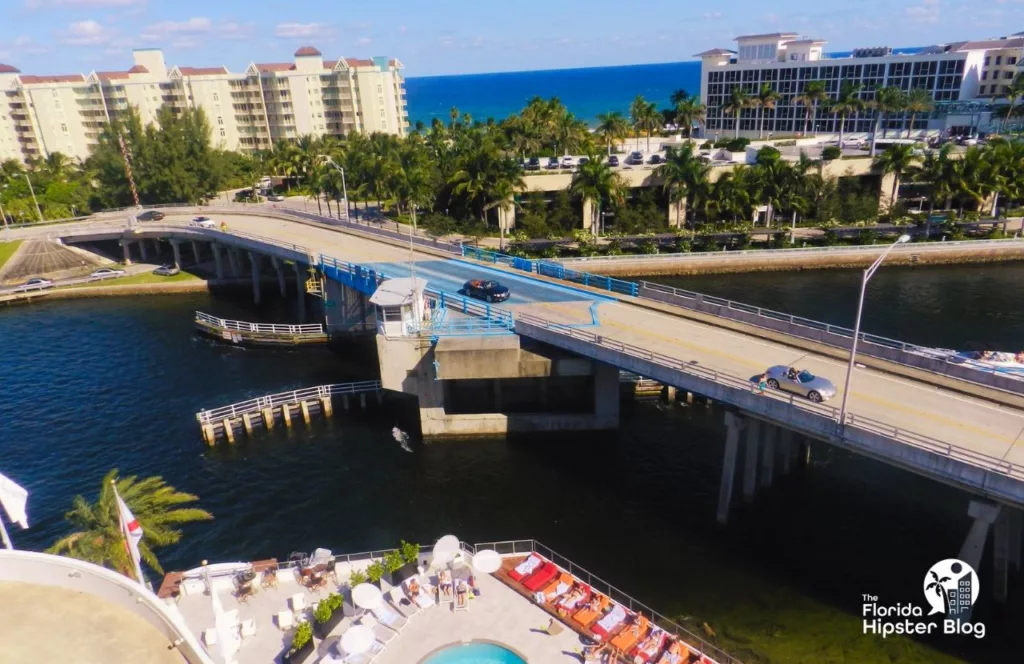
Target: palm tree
(887, 100)
(766, 97)
(774, 177)
(57, 166)
(595, 181)
(682, 175)
(645, 117)
(897, 160)
(734, 191)
(10, 169)
(848, 103)
(1005, 161)
(157, 506)
(1014, 91)
(917, 101)
(612, 127)
(690, 111)
(484, 176)
(678, 97)
(738, 100)
(813, 95)
(937, 171)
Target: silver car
(802, 382)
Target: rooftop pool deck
(504, 611)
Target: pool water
(475, 653)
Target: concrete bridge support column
(156, 247)
(733, 426)
(176, 246)
(768, 456)
(254, 262)
(1001, 554)
(984, 514)
(300, 290)
(142, 250)
(195, 251)
(276, 262)
(126, 246)
(1016, 524)
(786, 449)
(750, 465)
(217, 261)
(235, 262)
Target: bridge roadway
(972, 423)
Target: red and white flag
(132, 532)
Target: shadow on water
(116, 383)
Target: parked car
(613, 161)
(636, 158)
(244, 195)
(150, 215)
(202, 222)
(533, 164)
(553, 162)
(655, 159)
(583, 160)
(488, 290)
(568, 162)
(804, 383)
(166, 271)
(275, 198)
(107, 273)
(38, 283)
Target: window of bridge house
(389, 314)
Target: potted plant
(374, 572)
(393, 562)
(302, 647)
(356, 577)
(410, 552)
(327, 614)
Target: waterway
(94, 384)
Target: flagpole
(127, 544)
(3, 533)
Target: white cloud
(925, 12)
(363, 41)
(712, 15)
(192, 26)
(87, 33)
(84, 4)
(183, 34)
(302, 30)
(27, 46)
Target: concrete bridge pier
(768, 455)
(300, 290)
(126, 246)
(142, 250)
(985, 514)
(235, 262)
(195, 251)
(786, 449)
(176, 246)
(282, 287)
(217, 260)
(254, 262)
(750, 465)
(734, 424)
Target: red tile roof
(275, 66)
(7, 69)
(138, 69)
(202, 71)
(307, 50)
(330, 64)
(356, 62)
(63, 78)
(108, 75)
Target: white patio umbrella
(228, 640)
(357, 639)
(445, 549)
(487, 561)
(367, 596)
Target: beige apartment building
(247, 111)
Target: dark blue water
(586, 92)
(95, 384)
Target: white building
(247, 111)
(958, 72)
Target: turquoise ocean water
(586, 92)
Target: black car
(655, 159)
(150, 215)
(554, 162)
(583, 160)
(613, 161)
(491, 291)
(533, 164)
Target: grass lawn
(7, 250)
(135, 279)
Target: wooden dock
(258, 334)
(231, 422)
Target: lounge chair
(655, 643)
(423, 598)
(403, 604)
(586, 616)
(677, 653)
(526, 568)
(541, 577)
(555, 589)
(388, 617)
(383, 634)
(462, 594)
(627, 639)
(610, 622)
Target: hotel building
(963, 78)
(246, 111)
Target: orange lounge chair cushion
(585, 616)
(565, 578)
(627, 639)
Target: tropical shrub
(374, 571)
(303, 635)
(356, 577)
(831, 152)
(393, 561)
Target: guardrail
(261, 328)
(525, 547)
(549, 269)
(252, 406)
(948, 450)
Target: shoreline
(113, 290)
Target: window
(999, 60)
(63, 127)
(220, 121)
(216, 109)
(380, 89)
(222, 132)
(1007, 74)
(987, 60)
(1011, 59)
(216, 97)
(380, 101)
(56, 93)
(981, 90)
(984, 75)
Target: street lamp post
(344, 188)
(38, 211)
(868, 273)
(7, 229)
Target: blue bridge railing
(554, 270)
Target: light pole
(344, 189)
(38, 211)
(868, 273)
(7, 229)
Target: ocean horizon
(586, 91)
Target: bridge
(955, 424)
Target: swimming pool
(475, 653)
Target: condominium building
(954, 75)
(247, 111)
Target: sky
(448, 37)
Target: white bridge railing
(256, 405)
(261, 328)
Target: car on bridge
(804, 383)
(202, 222)
(275, 198)
(37, 283)
(150, 215)
(488, 290)
(107, 273)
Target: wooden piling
(247, 423)
(228, 431)
(286, 412)
(268, 418)
(326, 406)
(305, 411)
(689, 398)
(209, 435)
